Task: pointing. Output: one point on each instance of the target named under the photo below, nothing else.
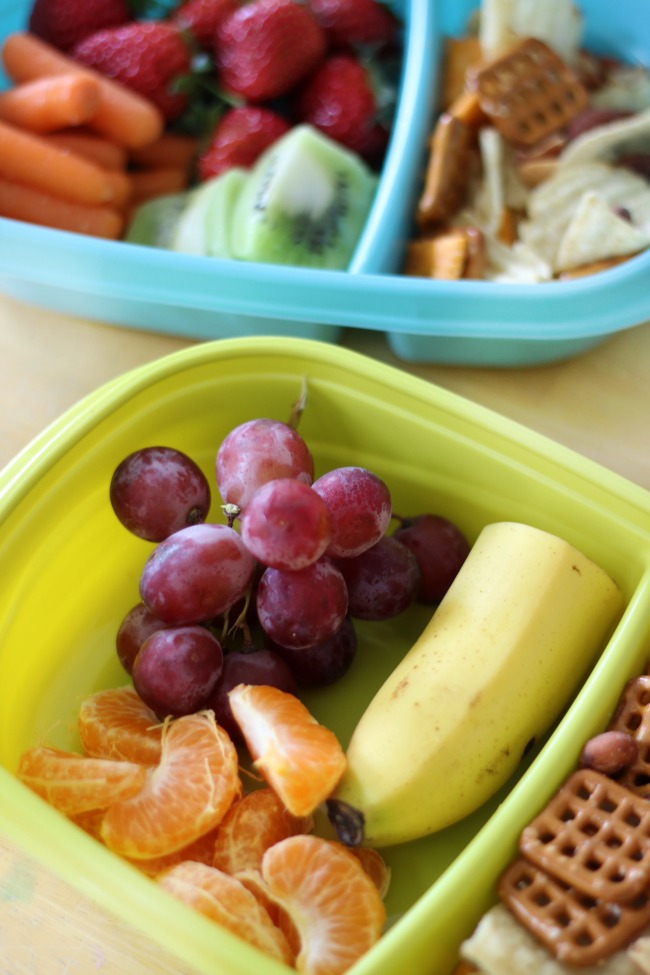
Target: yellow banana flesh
(500, 659)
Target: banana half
(494, 668)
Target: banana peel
(498, 662)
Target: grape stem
(232, 513)
(298, 407)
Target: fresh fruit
(186, 795)
(196, 573)
(154, 222)
(304, 203)
(202, 18)
(64, 23)
(440, 549)
(150, 57)
(75, 784)
(247, 667)
(352, 23)
(176, 669)
(360, 508)
(253, 824)
(339, 99)
(138, 624)
(266, 47)
(300, 607)
(333, 903)
(300, 759)
(204, 224)
(258, 451)
(227, 901)
(498, 661)
(286, 524)
(200, 850)
(239, 139)
(156, 491)
(324, 662)
(117, 724)
(382, 582)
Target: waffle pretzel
(594, 835)
(578, 929)
(633, 716)
(528, 93)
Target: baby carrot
(171, 149)
(20, 202)
(101, 151)
(123, 115)
(31, 159)
(148, 183)
(50, 103)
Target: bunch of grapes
(297, 561)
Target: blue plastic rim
(467, 322)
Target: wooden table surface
(597, 404)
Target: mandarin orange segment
(253, 824)
(333, 903)
(185, 796)
(375, 866)
(200, 851)
(74, 784)
(224, 899)
(116, 723)
(300, 759)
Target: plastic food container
(70, 572)
(467, 322)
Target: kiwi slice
(304, 203)
(203, 227)
(154, 222)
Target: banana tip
(347, 821)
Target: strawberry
(203, 18)
(240, 137)
(267, 47)
(63, 23)
(148, 56)
(339, 99)
(355, 22)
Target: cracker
(501, 946)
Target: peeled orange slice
(253, 824)
(224, 899)
(116, 723)
(201, 851)
(75, 784)
(186, 795)
(300, 759)
(332, 902)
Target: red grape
(259, 451)
(137, 625)
(196, 574)
(360, 509)
(176, 669)
(382, 582)
(303, 607)
(157, 491)
(440, 549)
(324, 663)
(286, 524)
(247, 667)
